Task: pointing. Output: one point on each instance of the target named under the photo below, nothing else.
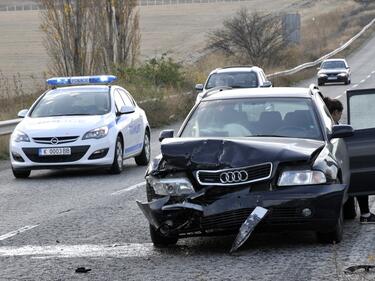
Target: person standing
(335, 107)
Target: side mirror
(166, 134)
(126, 109)
(266, 84)
(342, 131)
(23, 113)
(199, 87)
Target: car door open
(361, 146)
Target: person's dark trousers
(363, 204)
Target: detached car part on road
(276, 148)
(78, 125)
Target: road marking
(355, 86)
(368, 76)
(363, 80)
(372, 72)
(129, 188)
(18, 231)
(339, 96)
(85, 250)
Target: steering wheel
(290, 130)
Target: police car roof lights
(80, 80)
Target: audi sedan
(80, 122)
(271, 156)
(334, 70)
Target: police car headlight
(96, 133)
(305, 177)
(171, 186)
(19, 136)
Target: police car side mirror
(166, 134)
(126, 109)
(22, 113)
(341, 131)
(199, 87)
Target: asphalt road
(57, 221)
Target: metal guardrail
(36, 7)
(6, 127)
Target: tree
(253, 37)
(90, 36)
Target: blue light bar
(81, 80)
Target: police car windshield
(233, 79)
(254, 117)
(61, 102)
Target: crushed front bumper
(315, 207)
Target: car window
(118, 100)
(327, 118)
(362, 115)
(126, 98)
(247, 79)
(61, 102)
(333, 64)
(254, 117)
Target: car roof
(284, 92)
(82, 88)
(239, 68)
(334, 60)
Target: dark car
(334, 70)
(276, 148)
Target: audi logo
(54, 140)
(234, 177)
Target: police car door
(361, 146)
(124, 123)
(135, 127)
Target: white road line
(355, 86)
(363, 80)
(339, 96)
(129, 188)
(368, 76)
(372, 72)
(15, 232)
(85, 250)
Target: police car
(81, 121)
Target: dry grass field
(179, 30)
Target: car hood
(196, 153)
(335, 70)
(61, 125)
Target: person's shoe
(370, 219)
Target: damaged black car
(271, 156)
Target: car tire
(347, 81)
(334, 236)
(118, 159)
(320, 83)
(144, 158)
(161, 241)
(349, 209)
(21, 174)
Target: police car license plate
(55, 151)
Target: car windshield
(62, 102)
(333, 64)
(254, 117)
(233, 79)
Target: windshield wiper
(71, 114)
(267, 135)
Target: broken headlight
(303, 177)
(171, 186)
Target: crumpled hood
(61, 126)
(193, 153)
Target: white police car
(88, 122)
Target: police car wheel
(117, 165)
(21, 174)
(144, 158)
